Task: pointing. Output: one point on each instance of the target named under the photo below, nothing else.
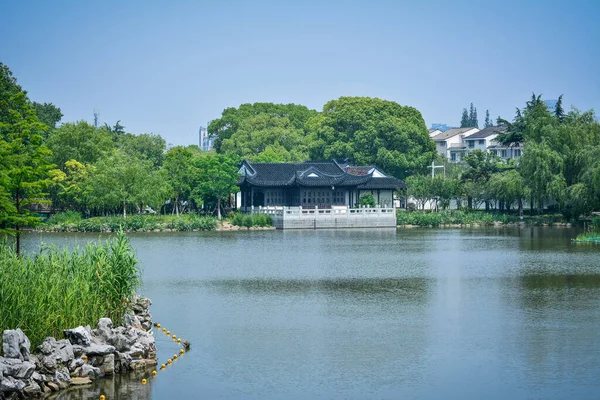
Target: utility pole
(433, 167)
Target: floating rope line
(185, 347)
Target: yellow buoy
(163, 366)
(179, 341)
(174, 356)
(144, 381)
(164, 329)
(169, 361)
(181, 351)
(102, 397)
(174, 337)
(154, 373)
(84, 358)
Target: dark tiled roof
(489, 131)
(312, 174)
(388, 182)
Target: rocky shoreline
(495, 225)
(84, 355)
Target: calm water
(370, 314)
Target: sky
(169, 67)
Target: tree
(559, 112)
(79, 141)
(145, 146)
(372, 131)
(120, 180)
(474, 122)
(48, 114)
(480, 167)
(67, 189)
(181, 172)
(418, 189)
(218, 175)
(488, 121)
(507, 187)
(464, 121)
(267, 138)
(233, 118)
(541, 167)
(24, 163)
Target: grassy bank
(72, 222)
(57, 289)
(592, 235)
(470, 218)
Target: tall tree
(232, 119)
(48, 114)
(559, 112)
(464, 121)
(79, 141)
(474, 119)
(145, 146)
(218, 178)
(181, 173)
(372, 131)
(488, 121)
(24, 165)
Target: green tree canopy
(145, 146)
(48, 114)
(232, 119)
(24, 161)
(79, 141)
(372, 131)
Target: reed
(56, 289)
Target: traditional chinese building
(315, 188)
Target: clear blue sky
(168, 67)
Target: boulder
(99, 349)
(108, 366)
(64, 351)
(10, 384)
(16, 368)
(80, 336)
(15, 344)
(32, 389)
(92, 372)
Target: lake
(368, 314)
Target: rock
(16, 368)
(64, 351)
(136, 351)
(10, 384)
(62, 377)
(76, 363)
(121, 342)
(142, 364)
(99, 349)
(39, 378)
(80, 381)
(122, 361)
(108, 366)
(33, 389)
(47, 346)
(88, 370)
(53, 386)
(80, 336)
(15, 344)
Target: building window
(471, 143)
(517, 153)
(503, 154)
(482, 141)
(453, 156)
(495, 152)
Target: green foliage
(143, 223)
(64, 218)
(258, 126)
(367, 200)
(452, 217)
(371, 131)
(24, 161)
(146, 146)
(218, 175)
(250, 220)
(59, 289)
(79, 141)
(48, 114)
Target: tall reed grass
(56, 289)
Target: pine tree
(488, 121)
(471, 116)
(475, 121)
(464, 122)
(559, 112)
